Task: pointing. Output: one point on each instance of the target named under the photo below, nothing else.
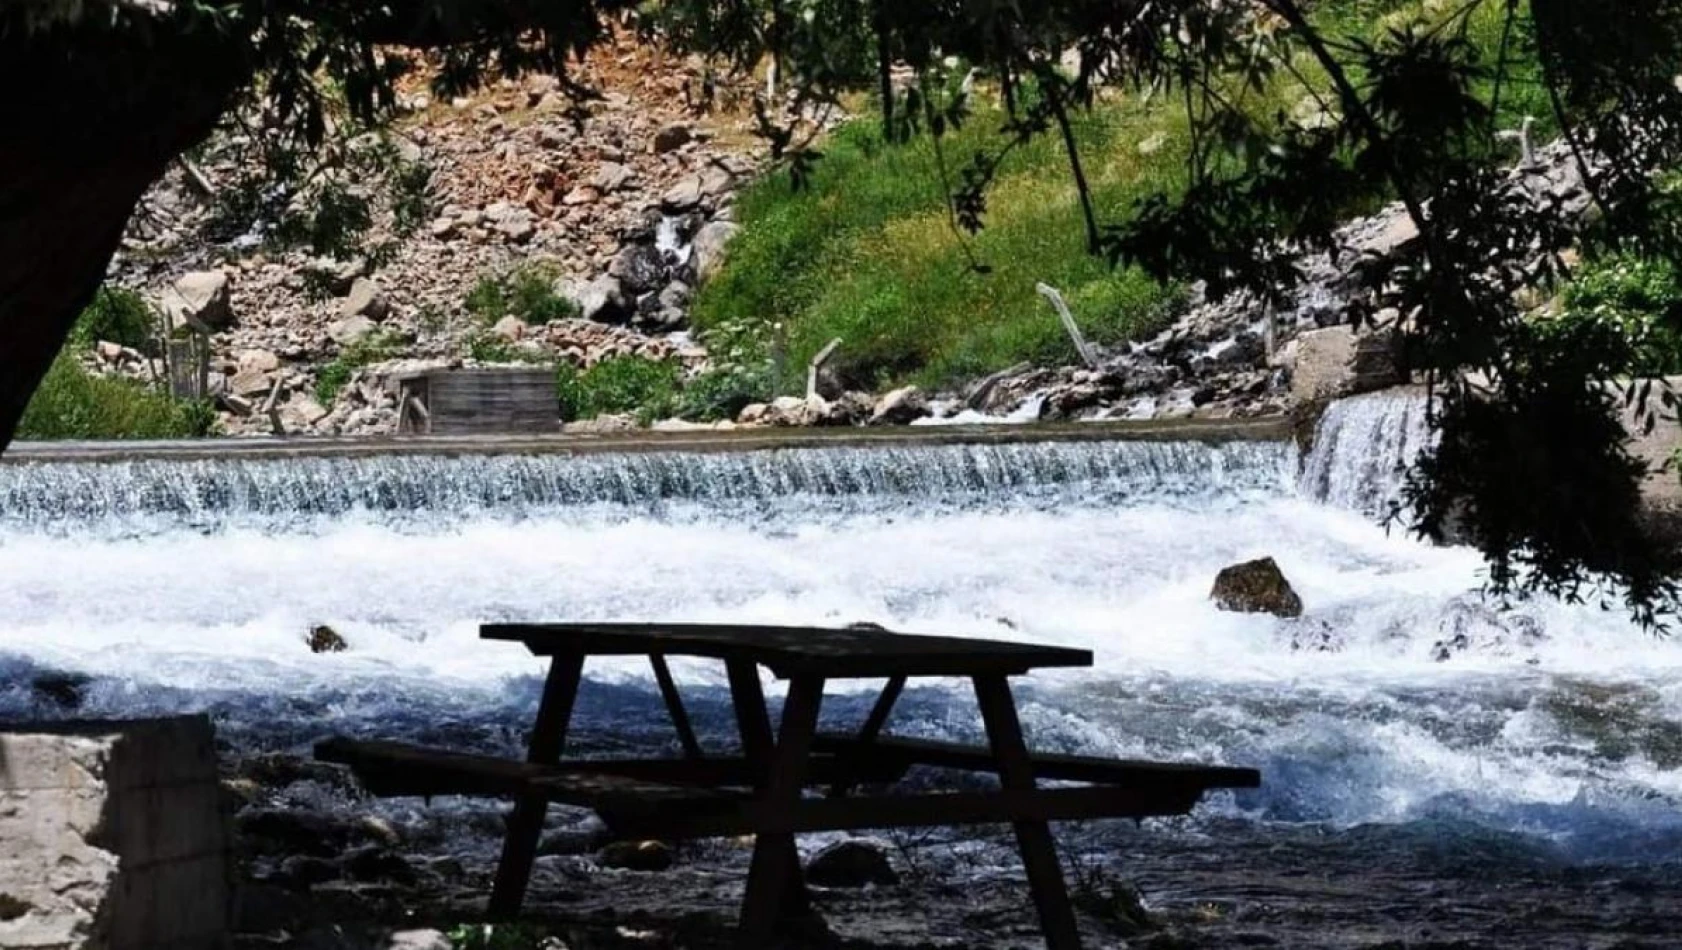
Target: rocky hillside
(619, 204)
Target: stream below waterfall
(1400, 707)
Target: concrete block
(113, 836)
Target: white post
(813, 367)
(1087, 354)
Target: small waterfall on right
(1362, 449)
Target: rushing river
(1399, 698)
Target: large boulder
(114, 836)
(639, 267)
(1339, 361)
(364, 300)
(202, 300)
(900, 407)
(603, 300)
(1256, 587)
(711, 243)
(851, 864)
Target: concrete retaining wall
(113, 836)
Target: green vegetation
(1634, 298)
(528, 293)
(120, 316)
(866, 252)
(373, 348)
(71, 403)
(622, 384)
(723, 391)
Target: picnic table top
(849, 653)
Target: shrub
(71, 403)
(374, 348)
(120, 316)
(528, 293)
(722, 392)
(1635, 298)
(623, 384)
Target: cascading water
(1399, 697)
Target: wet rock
(324, 639)
(639, 269)
(378, 864)
(63, 691)
(301, 872)
(900, 407)
(203, 300)
(1256, 587)
(711, 244)
(284, 831)
(851, 864)
(603, 300)
(636, 856)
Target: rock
(711, 244)
(418, 940)
(1337, 361)
(854, 863)
(603, 301)
(900, 407)
(249, 382)
(109, 352)
(636, 856)
(304, 871)
(261, 361)
(1256, 587)
(350, 329)
(611, 177)
(376, 863)
(202, 300)
(683, 196)
(675, 295)
(324, 639)
(639, 267)
(513, 222)
(716, 182)
(364, 300)
(115, 836)
(60, 690)
(511, 329)
(671, 137)
(336, 277)
(582, 195)
(442, 229)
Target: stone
(442, 229)
(672, 137)
(418, 940)
(364, 300)
(1338, 361)
(611, 177)
(324, 639)
(900, 407)
(350, 329)
(603, 300)
(202, 300)
(636, 856)
(511, 329)
(263, 361)
(851, 864)
(582, 195)
(1256, 587)
(249, 382)
(716, 182)
(639, 267)
(60, 690)
(683, 196)
(337, 277)
(711, 244)
(108, 352)
(675, 295)
(115, 836)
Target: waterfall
(54, 497)
(1363, 448)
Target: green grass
(374, 348)
(623, 384)
(74, 404)
(119, 316)
(867, 254)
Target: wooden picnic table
(761, 790)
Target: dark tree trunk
(91, 119)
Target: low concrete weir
(698, 441)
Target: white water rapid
(1400, 697)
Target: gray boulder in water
(1256, 587)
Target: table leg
(525, 824)
(1033, 838)
(872, 728)
(674, 706)
(753, 720)
(775, 884)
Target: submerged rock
(324, 639)
(1256, 587)
(853, 863)
(636, 856)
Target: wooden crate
(478, 401)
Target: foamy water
(1559, 721)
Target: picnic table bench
(762, 790)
